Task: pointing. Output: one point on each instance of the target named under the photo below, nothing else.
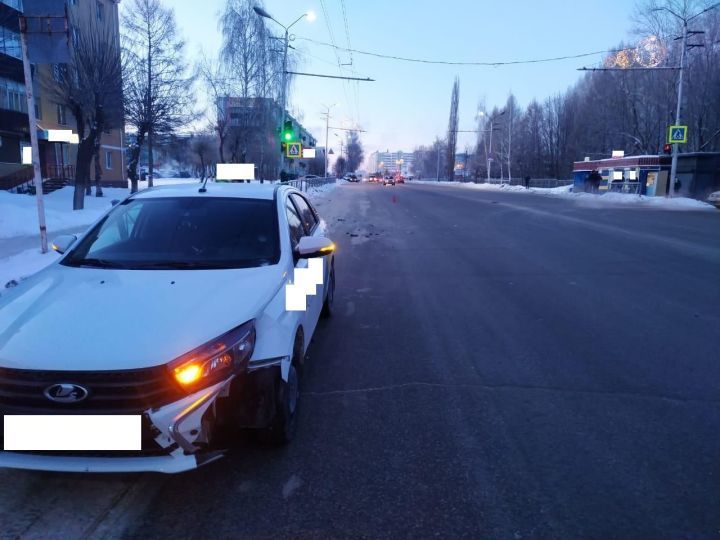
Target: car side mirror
(310, 247)
(114, 202)
(63, 243)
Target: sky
(408, 104)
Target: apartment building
(57, 159)
(392, 162)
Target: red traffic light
(667, 148)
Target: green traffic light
(287, 136)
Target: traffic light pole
(673, 167)
(283, 97)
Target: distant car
(714, 199)
(389, 180)
(374, 177)
(351, 177)
(400, 179)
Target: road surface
(500, 365)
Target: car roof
(253, 190)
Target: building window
(10, 43)
(38, 109)
(12, 96)
(108, 160)
(61, 115)
(100, 9)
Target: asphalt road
(500, 365)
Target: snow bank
(19, 217)
(323, 190)
(588, 199)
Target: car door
(311, 227)
(308, 318)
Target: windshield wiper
(97, 263)
(176, 265)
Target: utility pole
(282, 106)
(32, 124)
(286, 40)
(438, 162)
(673, 167)
(327, 130)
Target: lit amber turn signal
(188, 374)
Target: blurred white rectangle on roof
(235, 171)
(26, 155)
(308, 153)
(618, 153)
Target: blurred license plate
(72, 432)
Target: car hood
(66, 318)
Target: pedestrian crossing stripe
(677, 134)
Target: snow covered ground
(20, 255)
(19, 217)
(587, 199)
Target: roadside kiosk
(643, 175)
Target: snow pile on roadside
(316, 192)
(590, 199)
(628, 199)
(19, 217)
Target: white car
(714, 198)
(172, 311)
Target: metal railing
(304, 184)
(65, 172)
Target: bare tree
(203, 148)
(452, 130)
(90, 86)
(354, 151)
(159, 94)
(219, 87)
(340, 167)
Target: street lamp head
(310, 16)
(260, 11)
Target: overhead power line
(461, 63)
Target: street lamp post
(492, 128)
(286, 40)
(327, 129)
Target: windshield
(184, 233)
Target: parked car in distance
(714, 199)
(389, 180)
(351, 177)
(212, 267)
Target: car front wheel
(327, 309)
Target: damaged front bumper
(180, 434)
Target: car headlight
(215, 360)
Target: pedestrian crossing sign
(677, 134)
(294, 150)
